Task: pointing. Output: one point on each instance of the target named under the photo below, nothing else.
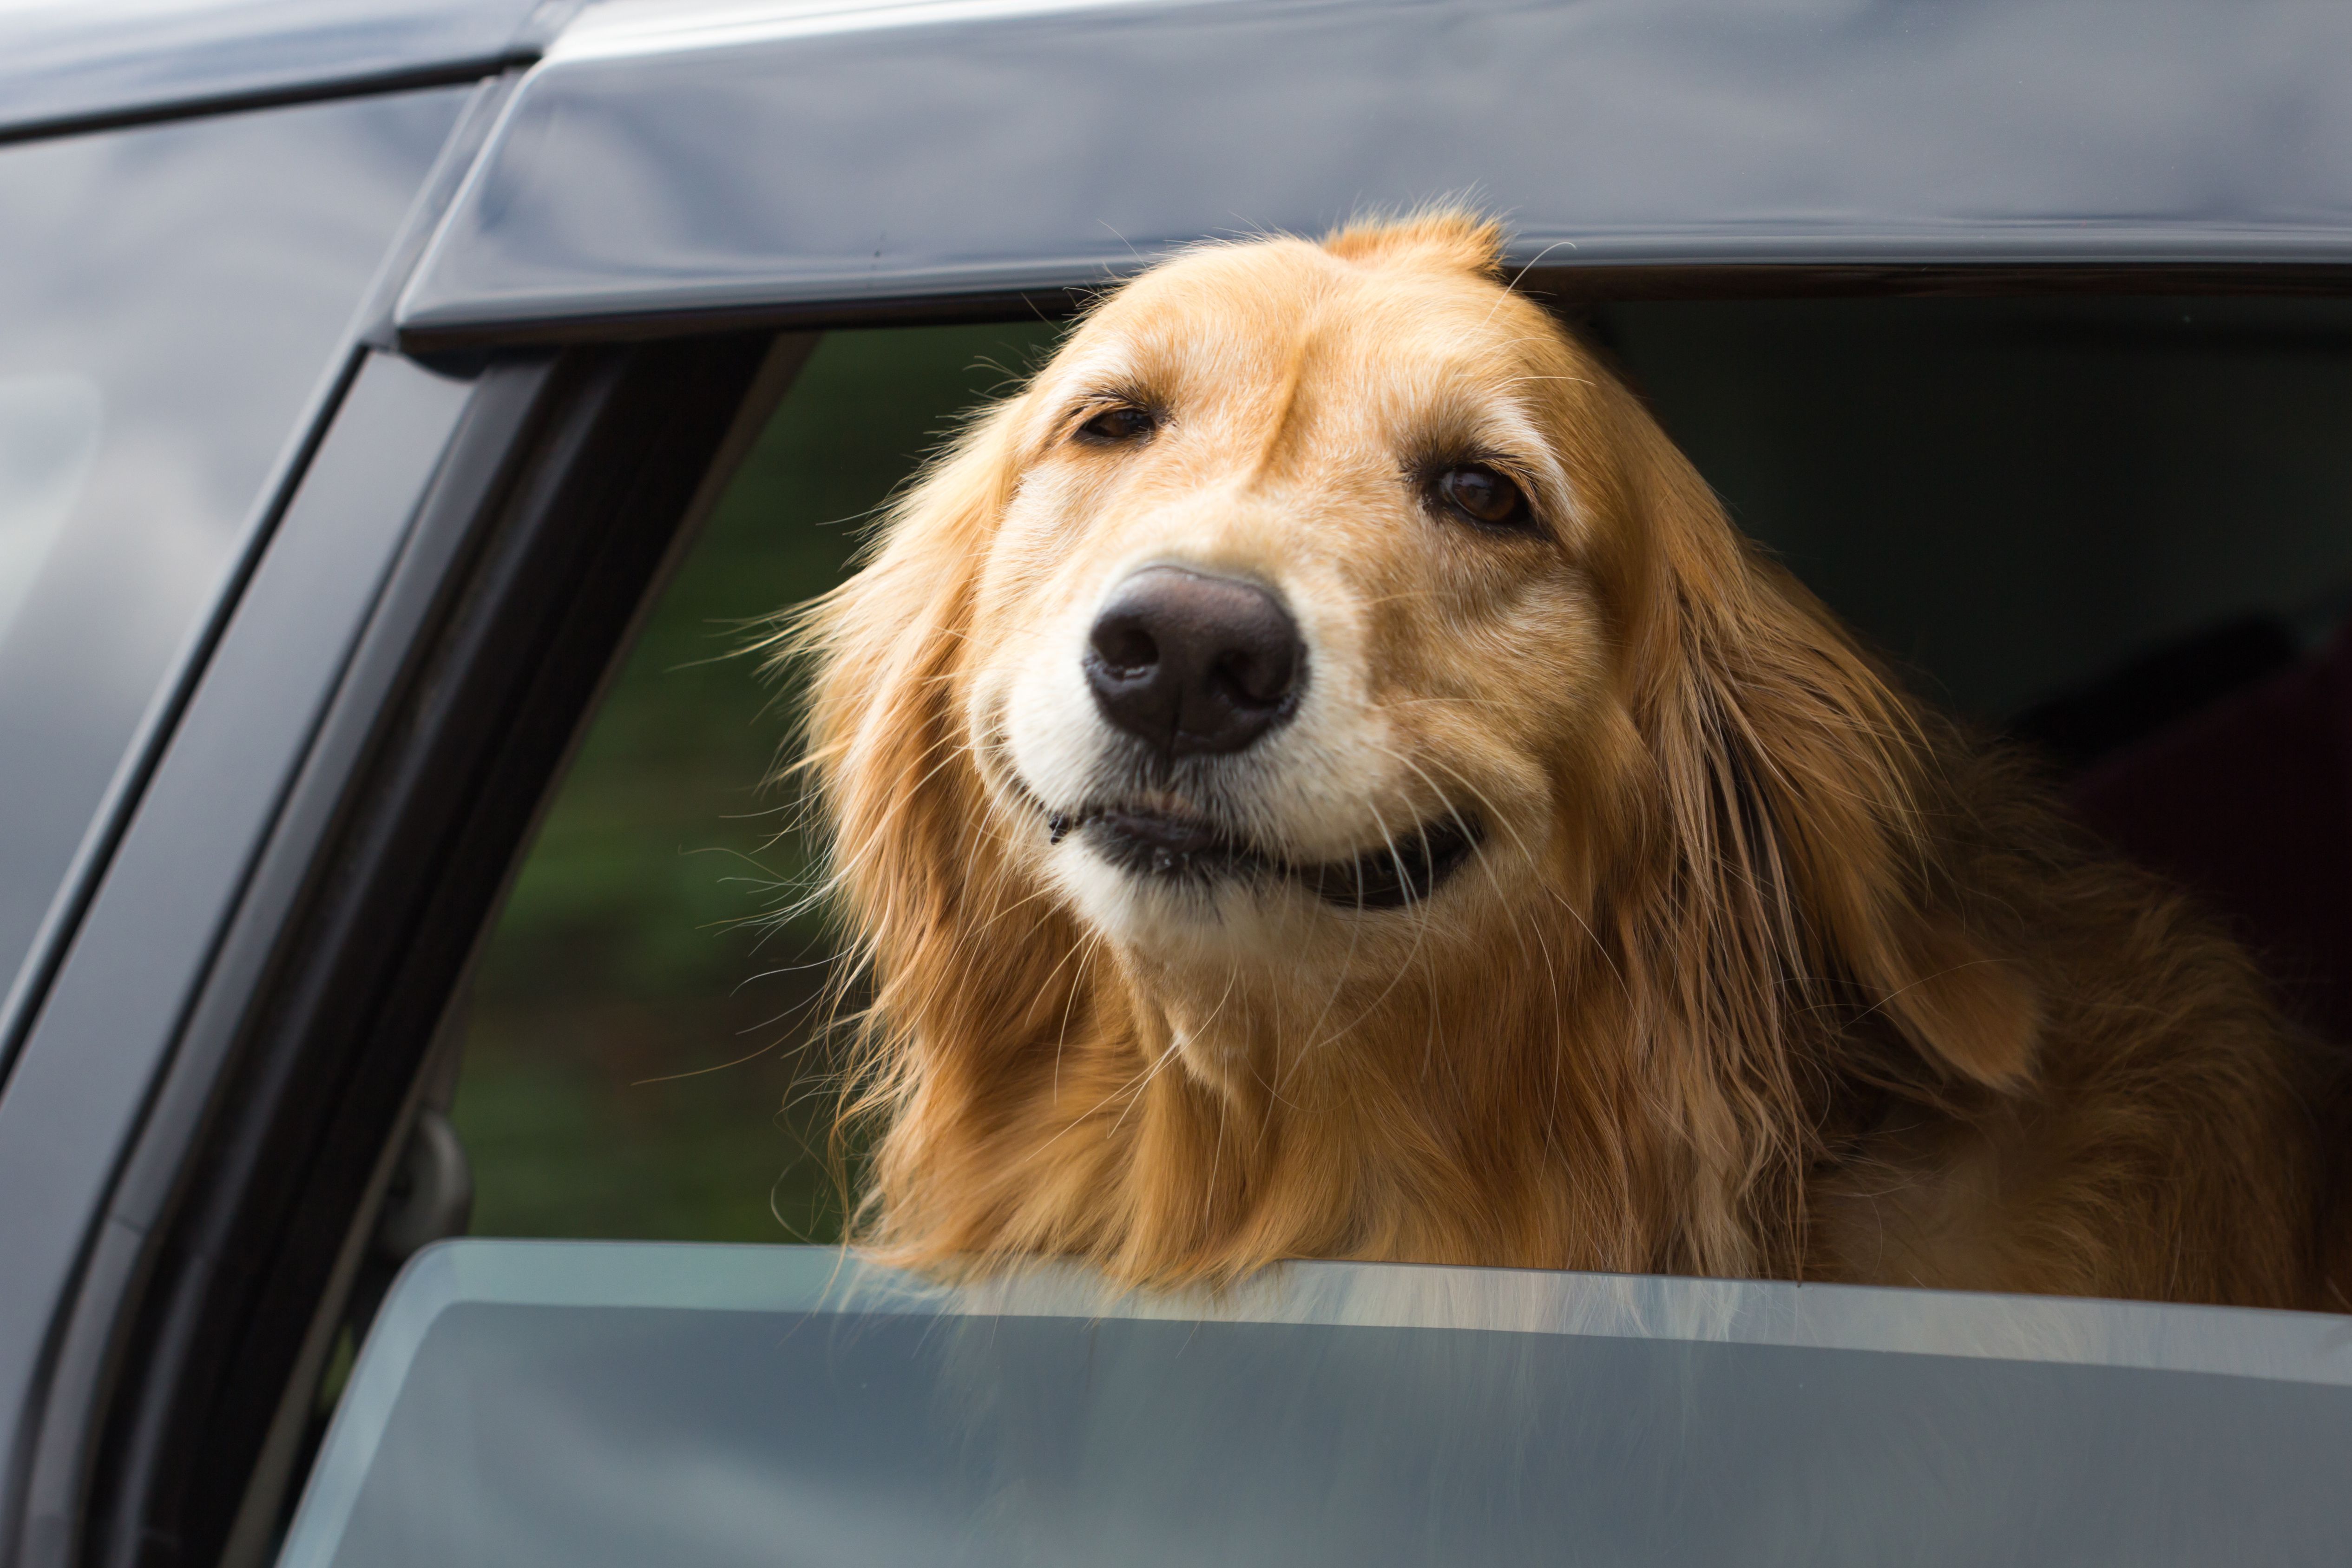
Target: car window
(171, 298)
(607, 1404)
(49, 434)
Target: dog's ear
(882, 650)
(1453, 238)
(1807, 827)
(1975, 1010)
(915, 871)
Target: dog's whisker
(1175, 1044)
(1339, 977)
(1397, 976)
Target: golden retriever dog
(1317, 774)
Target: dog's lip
(1176, 832)
(1167, 842)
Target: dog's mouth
(1174, 846)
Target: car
(368, 368)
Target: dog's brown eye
(1120, 424)
(1485, 497)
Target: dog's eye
(1485, 497)
(1122, 423)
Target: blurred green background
(638, 1059)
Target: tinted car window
(48, 436)
(171, 300)
(607, 1404)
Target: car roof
(732, 156)
(76, 63)
(745, 156)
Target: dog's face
(1293, 632)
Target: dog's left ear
(1807, 815)
(1961, 1002)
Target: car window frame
(84, 1319)
(557, 505)
(40, 1340)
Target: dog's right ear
(883, 652)
(913, 872)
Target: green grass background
(637, 1059)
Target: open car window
(593, 1404)
(2019, 499)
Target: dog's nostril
(1192, 663)
(1260, 675)
(1123, 644)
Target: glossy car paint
(206, 277)
(68, 64)
(686, 159)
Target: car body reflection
(200, 279)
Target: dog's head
(1325, 659)
(1292, 629)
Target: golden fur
(1760, 969)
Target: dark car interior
(2119, 529)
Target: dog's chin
(1186, 857)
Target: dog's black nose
(1194, 664)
